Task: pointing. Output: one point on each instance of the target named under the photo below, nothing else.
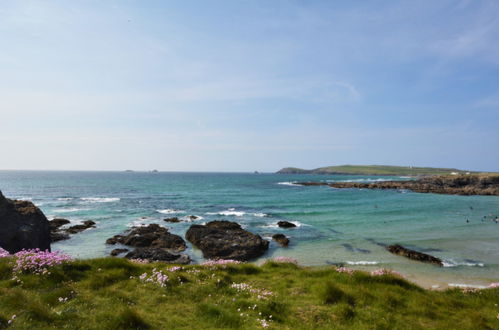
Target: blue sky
(248, 85)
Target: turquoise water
(334, 225)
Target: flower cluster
(349, 271)
(494, 285)
(261, 294)
(220, 262)
(156, 277)
(283, 260)
(174, 268)
(140, 261)
(38, 262)
(4, 253)
(382, 271)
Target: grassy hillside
(373, 170)
(113, 294)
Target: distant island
(375, 170)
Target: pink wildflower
(38, 262)
(344, 270)
(4, 253)
(494, 285)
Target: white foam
(260, 215)
(100, 199)
(289, 183)
(229, 212)
(452, 263)
(170, 211)
(365, 263)
(462, 285)
(69, 210)
(64, 198)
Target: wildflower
(38, 262)
(349, 271)
(4, 253)
(156, 277)
(220, 262)
(494, 285)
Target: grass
(375, 170)
(108, 294)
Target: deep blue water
(334, 225)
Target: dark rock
(22, 226)
(58, 222)
(153, 236)
(414, 255)
(193, 217)
(174, 219)
(226, 240)
(59, 235)
(79, 228)
(115, 252)
(286, 224)
(158, 254)
(281, 239)
(470, 184)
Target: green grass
(107, 294)
(374, 170)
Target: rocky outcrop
(58, 234)
(281, 239)
(446, 184)
(286, 224)
(414, 255)
(153, 236)
(153, 243)
(155, 254)
(173, 219)
(226, 240)
(22, 226)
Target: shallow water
(348, 226)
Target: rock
(79, 228)
(286, 224)
(158, 254)
(116, 252)
(153, 236)
(281, 239)
(414, 255)
(174, 219)
(58, 235)
(22, 226)
(193, 217)
(57, 222)
(226, 240)
(476, 184)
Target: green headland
(375, 170)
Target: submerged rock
(414, 255)
(153, 236)
(281, 239)
(22, 226)
(158, 254)
(286, 224)
(226, 240)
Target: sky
(248, 85)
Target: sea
(349, 227)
